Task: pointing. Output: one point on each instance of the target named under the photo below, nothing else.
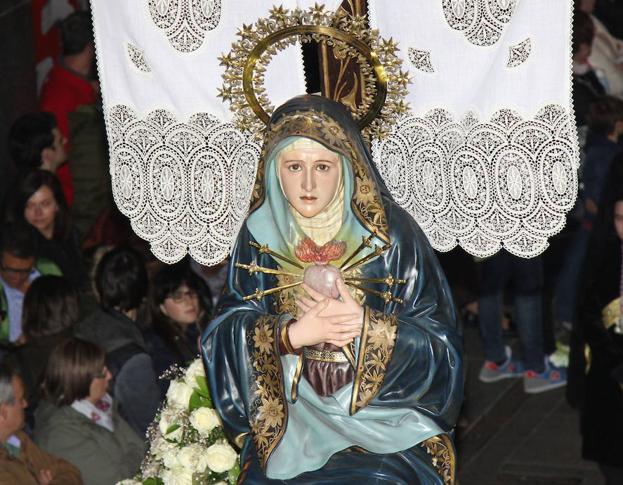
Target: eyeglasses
(180, 295)
(8, 269)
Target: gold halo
(384, 82)
(362, 47)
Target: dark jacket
(103, 457)
(586, 89)
(165, 353)
(595, 385)
(66, 254)
(600, 153)
(602, 409)
(135, 388)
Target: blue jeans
(527, 278)
(568, 283)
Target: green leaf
(202, 382)
(172, 428)
(232, 475)
(153, 481)
(198, 401)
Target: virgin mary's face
(309, 178)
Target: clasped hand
(326, 320)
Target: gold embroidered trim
(443, 457)
(294, 392)
(268, 411)
(349, 351)
(378, 339)
(366, 201)
(324, 355)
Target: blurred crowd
(89, 319)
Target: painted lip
(308, 198)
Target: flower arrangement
(187, 442)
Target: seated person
(121, 286)
(180, 304)
(39, 201)
(49, 313)
(78, 420)
(21, 461)
(19, 267)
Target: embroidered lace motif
(482, 21)
(185, 186)
(185, 22)
(519, 53)
(137, 58)
(421, 60)
(483, 184)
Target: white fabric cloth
(100, 412)
(183, 83)
(487, 157)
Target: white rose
(128, 482)
(167, 419)
(221, 457)
(204, 420)
(194, 370)
(192, 457)
(178, 476)
(169, 459)
(179, 394)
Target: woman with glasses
(77, 419)
(180, 306)
(39, 201)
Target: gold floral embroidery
(378, 339)
(366, 201)
(443, 457)
(268, 411)
(263, 339)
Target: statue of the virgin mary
(335, 355)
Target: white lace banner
(184, 185)
(507, 181)
(488, 156)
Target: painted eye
(323, 167)
(294, 167)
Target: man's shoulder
(88, 327)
